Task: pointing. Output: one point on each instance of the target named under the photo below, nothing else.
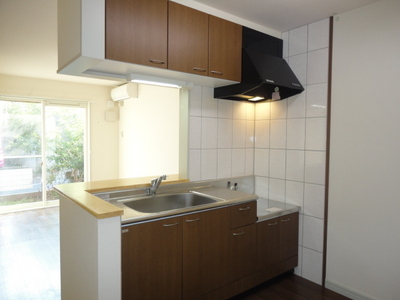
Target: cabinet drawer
(243, 214)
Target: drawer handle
(244, 208)
(238, 233)
(157, 61)
(199, 69)
(273, 224)
(172, 224)
(286, 220)
(193, 220)
(217, 73)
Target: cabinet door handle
(199, 69)
(157, 61)
(238, 233)
(244, 208)
(172, 224)
(273, 224)
(286, 220)
(193, 220)
(217, 73)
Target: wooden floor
(30, 264)
(289, 287)
(30, 255)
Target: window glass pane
(64, 146)
(20, 152)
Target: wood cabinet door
(243, 214)
(152, 260)
(267, 243)
(187, 40)
(289, 236)
(137, 31)
(243, 251)
(206, 259)
(225, 47)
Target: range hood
(265, 74)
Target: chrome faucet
(155, 183)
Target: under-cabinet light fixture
(256, 98)
(158, 81)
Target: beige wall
(103, 135)
(363, 219)
(149, 133)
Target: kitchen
(370, 175)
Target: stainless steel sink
(168, 202)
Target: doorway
(42, 144)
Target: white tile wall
(221, 136)
(298, 64)
(209, 134)
(317, 66)
(239, 162)
(224, 163)
(262, 133)
(282, 143)
(296, 133)
(295, 165)
(297, 141)
(277, 166)
(224, 129)
(309, 262)
(239, 134)
(298, 41)
(317, 100)
(261, 162)
(209, 164)
(278, 134)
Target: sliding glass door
(42, 144)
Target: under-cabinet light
(256, 98)
(158, 81)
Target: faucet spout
(155, 183)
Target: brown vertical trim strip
(328, 142)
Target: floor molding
(346, 291)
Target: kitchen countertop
(82, 193)
(223, 196)
(268, 209)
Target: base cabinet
(152, 260)
(243, 251)
(211, 254)
(206, 246)
(277, 240)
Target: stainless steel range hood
(265, 74)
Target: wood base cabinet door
(288, 236)
(187, 40)
(267, 243)
(243, 251)
(206, 246)
(225, 45)
(277, 240)
(152, 260)
(137, 31)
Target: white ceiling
(283, 15)
(28, 29)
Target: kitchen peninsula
(90, 230)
